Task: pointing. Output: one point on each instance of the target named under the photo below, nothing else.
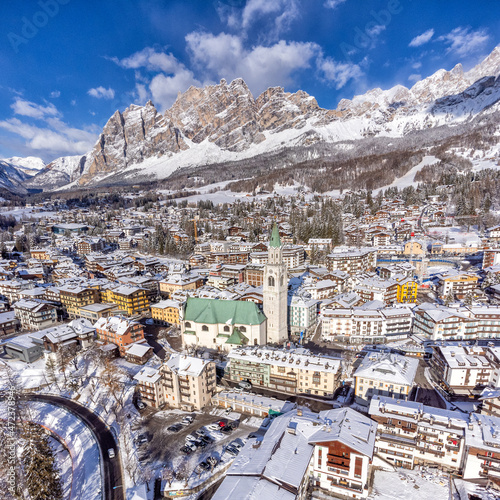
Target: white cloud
(270, 18)
(416, 65)
(164, 89)
(173, 76)
(56, 140)
(339, 73)
(284, 10)
(224, 56)
(102, 93)
(375, 30)
(464, 41)
(422, 39)
(332, 4)
(33, 110)
(55, 94)
(415, 77)
(151, 59)
(142, 93)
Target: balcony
(431, 451)
(490, 459)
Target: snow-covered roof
(138, 349)
(483, 432)
(148, 374)
(294, 358)
(388, 367)
(187, 365)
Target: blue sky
(68, 65)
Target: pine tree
(40, 470)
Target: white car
(141, 405)
(111, 453)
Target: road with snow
(113, 485)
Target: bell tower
(275, 291)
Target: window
(204, 328)
(270, 281)
(226, 328)
(242, 329)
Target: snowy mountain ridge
(225, 123)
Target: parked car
(207, 439)
(175, 428)
(226, 429)
(201, 432)
(141, 405)
(228, 410)
(187, 450)
(111, 453)
(245, 385)
(204, 465)
(232, 451)
(141, 439)
(213, 427)
(188, 419)
(190, 437)
(235, 444)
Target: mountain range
(224, 129)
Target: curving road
(113, 482)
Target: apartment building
(119, 331)
(254, 274)
(8, 323)
(150, 386)
(12, 289)
(352, 261)
(461, 369)
(89, 245)
(366, 324)
(436, 322)
(341, 461)
(176, 282)
(293, 256)
(329, 453)
(410, 434)
(456, 284)
(75, 297)
(374, 288)
(188, 382)
(407, 289)
(35, 314)
(482, 453)
(131, 299)
(166, 312)
(295, 371)
(302, 312)
(384, 374)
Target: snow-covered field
(410, 485)
(409, 178)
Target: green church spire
(275, 240)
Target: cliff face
(224, 122)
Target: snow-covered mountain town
(250, 250)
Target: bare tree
(168, 475)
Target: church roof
(237, 338)
(214, 311)
(275, 240)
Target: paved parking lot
(163, 446)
